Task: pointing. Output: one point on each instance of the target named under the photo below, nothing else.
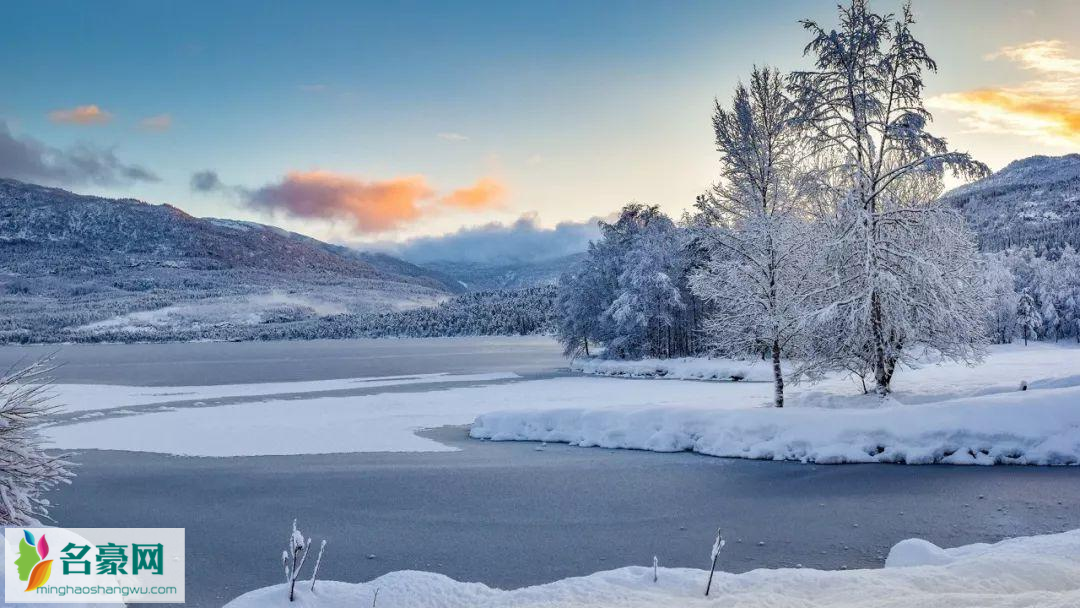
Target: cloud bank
(81, 115)
(372, 206)
(484, 194)
(30, 160)
(521, 241)
(1045, 108)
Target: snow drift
(1033, 428)
(1039, 571)
(684, 368)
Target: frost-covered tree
(646, 313)
(630, 294)
(1002, 300)
(1050, 320)
(1051, 277)
(585, 291)
(896, 288)
(1027, 317)
(760, 271)
(27, 472)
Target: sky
(365, 122)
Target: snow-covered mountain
(1032, 201)
(70, 262)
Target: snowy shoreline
(1019, 572)
(1036, 429)
(683, 368)
(940, 414)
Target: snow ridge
(1041, 571)
(1025, 428)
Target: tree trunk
(778, 374)
(882, 370)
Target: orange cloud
(161, 122)
(1018, 111)
(484, 194)
(373, 206)
(1046, 108)
(81, 115)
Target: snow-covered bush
(27, 472)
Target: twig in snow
(717, 546)
(318, 560)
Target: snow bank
(1041, 571)
(1032, 427)
(686, 368)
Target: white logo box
(96, 588)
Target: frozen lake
(509, 514)
(201, 363)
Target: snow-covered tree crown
(863, 103)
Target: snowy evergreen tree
(1027, 317)
(1050, 320)
(584, 293)
(646, 314)
(1003, 299)
(631, 293)
(760, 271)
(897, 285)
(26, 471)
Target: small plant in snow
(655, 568)
(293, 558)
(26, 471)
(318, 560)
(718, 544)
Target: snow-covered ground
(382, 422)
(1039, 571)
(945, 413)
(1042, 365)
(685, 368)
(80, 397)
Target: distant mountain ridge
(1032, 201)
(71, 263)
(104, 232)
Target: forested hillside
(1033, 201)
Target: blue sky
(481, 111)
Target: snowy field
(1041, 571)
(947, 413)
(940, 414)
(380, 422)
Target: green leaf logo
(28, 558)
